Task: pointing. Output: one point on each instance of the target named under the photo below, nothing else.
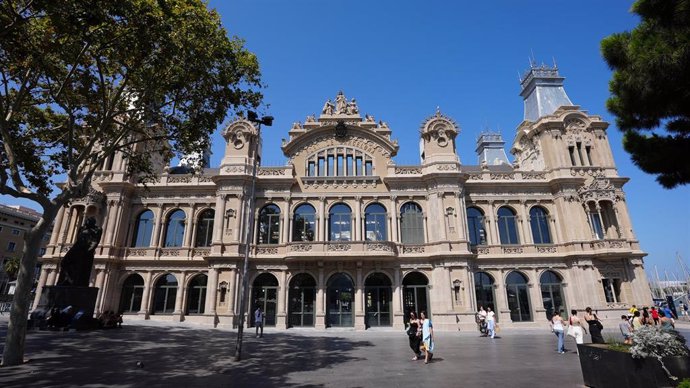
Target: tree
(84, 79)
(12, 266)
(650, 88)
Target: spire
(542, 91)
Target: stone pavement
(178, 355)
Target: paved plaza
(194, 356)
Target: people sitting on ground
(108, 319)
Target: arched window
(475, 223)
(265, 295)
(340, 301)
(304, 223)
(484, 290)
(415, 294)
(143, 229)
(132, 292)
(518, 297)
(507, 226)
(539, 222)
(174, 230)
(302, 296)
(340, 223)
(196, 294)
(164, 296)
(377, 300)
(375, 223)
(552, 294)
(204, 228)
(411, 224)
(269, 225)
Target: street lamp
(249, 226)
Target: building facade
(344, 237)
(15, 221)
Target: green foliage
(649, 88)
(12, 266)
(685, 383)
(84, 79)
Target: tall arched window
(475, 223)
(132, 292)
(143, 229)
(304, 223)
(484, 290)
(164, 296)
(174, 230)
(594, 213)
(340, 223)
(518, 297)
(375, 223)
(507, 226)
(411, 224)
(539, 222)
(204, 228)
(196, 295)
(552, 294)
(269, 225)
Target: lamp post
(249, 227)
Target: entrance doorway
(264, 295)
(415, 294)
(377, 293)
(518, 297)
(339, 308)
(302, 296)
(552, 295)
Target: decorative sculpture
(328, 108)
(340, 103)
(352, 107)
(75, 267)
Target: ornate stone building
(344, 237)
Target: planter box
(602, 368)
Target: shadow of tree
(174, 356)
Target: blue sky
(401, 59)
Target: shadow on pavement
(171, 356)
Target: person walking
(490, 322)
(414, 334)
(684, 310)
(576, 329)
(655, 315)
(557, 328)
(259, 321)
(595, 326)
(626, 329)
(427, 337)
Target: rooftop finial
(438, 111)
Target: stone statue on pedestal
(75, 267)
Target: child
(626, 330)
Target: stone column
(287, 221)
(190, 226)
(443, 228)
(535, 296)
(393, 215)
(320, 322)
(52, 276)
(359, 299)
(501, 308)
(146, 296)
(110, 224)
(157, 228)
(232, 292)
(58, 226)
(41, 283)
(219, 219)
(398, 315)
(525, 221)
(181, 291)
(492, 230)
(211, 291)
(358, 219)
(100, 278)
(321, 227)
(281, 314)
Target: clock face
(340, 130)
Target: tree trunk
(16, 331)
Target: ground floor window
(378, 298)
(302, 297)
(196, 297)
(415, 294)
(264, 295)
(164, 295)
(340, 298)
(132, 293)
(484, 290)
(518, 297)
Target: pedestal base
(81, 299)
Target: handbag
(410, 331)
(571, 331)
